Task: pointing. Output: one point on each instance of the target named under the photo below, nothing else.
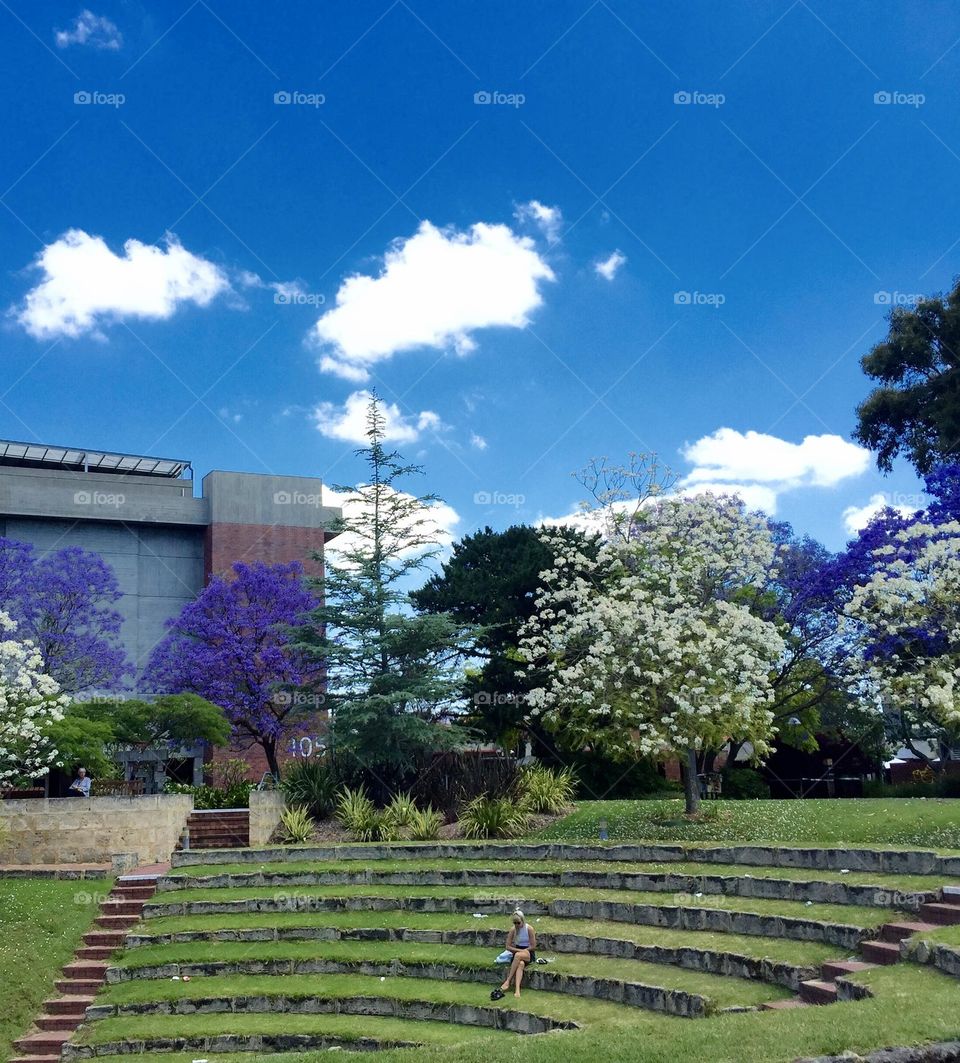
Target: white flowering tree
(646, 650)
(906, 621)
(30, 702)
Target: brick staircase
(87, 972)
(886, 949)
(226, 828)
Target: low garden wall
(124, 830)
(266, 808)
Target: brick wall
(273, 544)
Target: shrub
(425, 824)
(357, 813)
(448, 780)
(493, 817)
(400, 810)
(207, 797)
(744, 783)
(296, 824)
(313, 784)
(545, 790)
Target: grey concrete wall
(290, 501)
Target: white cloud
(86, 285)
(349, 421)
(477, 441)
(94, 30)
(857, 517)
(609, 266)
(754, 496)
(441, 522)
(547, 219)
(747, 457)
(435, 289)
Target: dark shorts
(533, 954)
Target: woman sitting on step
(522, 942)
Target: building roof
(49, 456)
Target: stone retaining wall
(266, 808)
(93, 830)
(418, 1010)
(935, 1053)
(881, 861)
(725, 885)
(944, 957)
(263, 1043)
(729, 964)
(614, 990)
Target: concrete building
(142, 515)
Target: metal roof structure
(48, 456)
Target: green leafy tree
(393, 675)
(915, 411)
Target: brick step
(218, 843)
(76, 987)
(942, 914)
(121, 907)
(47, 1043)
(113, 938)
(97, 952)
(784, 1005)
(816, 991)
(116, 922)
(951, 894)
(86, 969)
(882, 952)
(132, 893)
(49, 1023)
(68, 1005)
(900, 931)
(838, 968)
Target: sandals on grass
(497, 994)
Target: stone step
(817, 991)
(784, 1005)
(76, 987)
(951, 894)
(942, 914)
(882, 952)
(68, 1005)
(900, 931)
(47, 1043)
(97, 952)
(837, 968)
(49, 1023)
(86, 969)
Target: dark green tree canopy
(916, 409)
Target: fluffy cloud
(96, 31)
(754, 496)
(435, 289)
(857, 517)
(86, 285)
(349, 421)
(547, 219)
(608, 267)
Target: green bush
(948, 786)
(545, 790)
(493, 817)
(744, 784)
(313, 784)
(358, 814)
(296, 824)
(425, 824)
(207, 797)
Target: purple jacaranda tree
(233, 646)
(63, 602)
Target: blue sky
(199, 199)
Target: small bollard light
(604, 835)
(185, 838)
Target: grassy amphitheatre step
(266, 1033)
(689, 953)
(584, 1011)
(850, 875)
(269, 926)
(886, 861)
(747, 885)
(574, 974)
(844, 926)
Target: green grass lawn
(41, 923)
(932, 823)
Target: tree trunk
(691, 787)
(270, 749)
